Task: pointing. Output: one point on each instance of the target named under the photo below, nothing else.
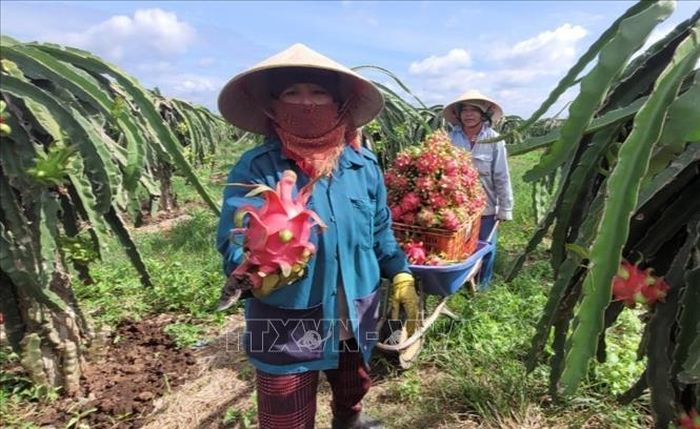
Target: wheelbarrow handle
(493, 230)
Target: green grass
(184, 265)
(185, 270)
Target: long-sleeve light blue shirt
(491, 161)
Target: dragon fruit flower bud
(640, 298)
(650, 279)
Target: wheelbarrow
(441, 280)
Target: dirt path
(223, 391)
(144, 381)
(222, 388)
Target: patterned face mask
(312, 135)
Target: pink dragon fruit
(633, 285)
(450, 220)
(408, 217)
(410, 202)
(396, 212)
(277, 237)
(689, 420)
(415, 253)
(437, 201)
(426, 217)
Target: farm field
(110, 197)
(170, 360)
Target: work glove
(232, 291)
(237, 284)
(404, 295)
(272, 282)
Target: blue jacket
(492, 162)
(292, 329)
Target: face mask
(305, 120)
(311, 135)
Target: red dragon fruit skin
(689, 420)
(415, 253)
(633, 285)
(278, 233)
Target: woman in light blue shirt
(471, 117)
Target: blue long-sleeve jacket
(293, 329)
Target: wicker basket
(456, 245)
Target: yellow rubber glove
(404, 295)
(272, 282)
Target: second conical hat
(474, 97)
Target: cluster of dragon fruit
(433, 185)
(633, 286)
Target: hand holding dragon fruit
(276, 241)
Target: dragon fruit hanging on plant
(633, 285)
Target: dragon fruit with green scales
(276, 240)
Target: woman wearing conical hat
(309, 108)
(471, 116)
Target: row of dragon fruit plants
(623, 212)
(84, 149)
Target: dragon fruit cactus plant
(633, 285)
(276, 240)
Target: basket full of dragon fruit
(436, 200)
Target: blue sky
(513, 51)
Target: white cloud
(517, 75)
(199, 89)
(548, 48)
(148, 33)
(435, 65)
(189, 84)
(155, 67)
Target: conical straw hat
(478, 99)
(246, 95)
